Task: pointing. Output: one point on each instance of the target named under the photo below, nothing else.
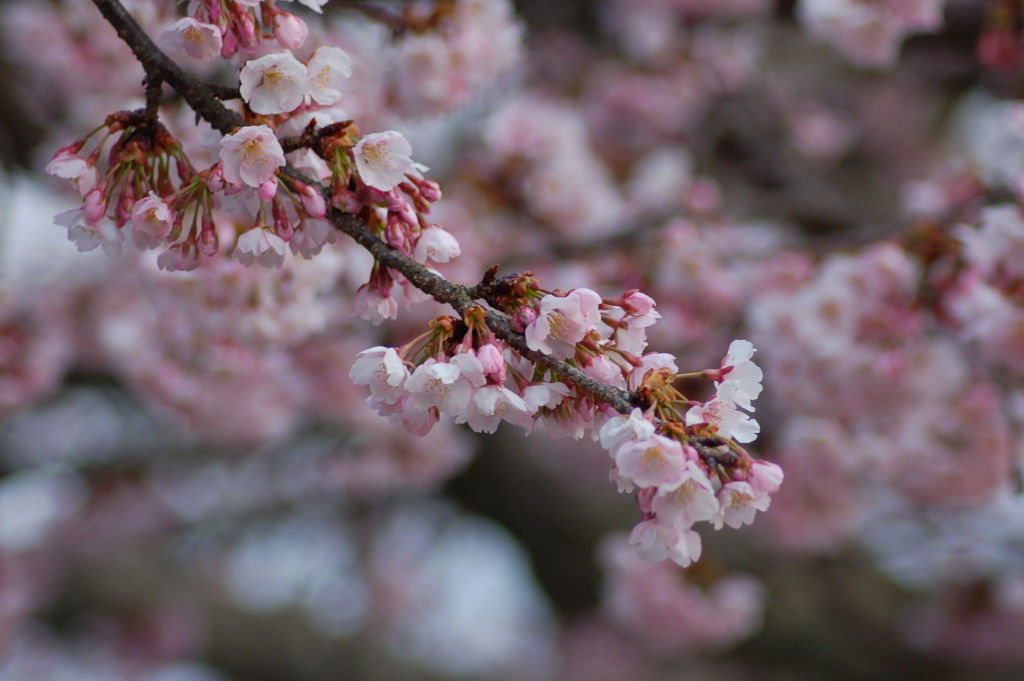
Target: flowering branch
(204, 99)
(516, 353)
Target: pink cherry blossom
(251, 156)
(652, 361)
(652, 462)
(276, 83)
(311, 236)
(260, 245)
(152, 220)
(563, 321)
(738, 505)
(199, 40)
(655, 541)
(688, 501)
(382, 159)
(383, 371)
(489, 405)
(375, 306)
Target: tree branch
(203, 98)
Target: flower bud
(290, 30)
(268, 189)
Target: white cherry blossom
(75, 168)
(624, 429)
(199, 40)
(383, 371)
(737, 366)
(251, 156)
(260, 245)
(327, 68)
(382, 159)
(721, 413)
(273, 84)
(437, 244)
(90, 235)
(655, 541)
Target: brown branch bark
(204, 100)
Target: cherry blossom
(72, 167)
(199, 40)
(251, 156)
(327, 68)
(489, 405)
(262, 246)
(563, 321)
(655, 541)
(273, 84)
(655, 461)
(91, 235)
(383, 371)
(738, 502)
(690, 500)
(736, 366)
(382, 159)
(720, 413)
(152, 220)
(436, 244)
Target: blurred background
(191, 488)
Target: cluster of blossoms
(677, 485)
(225, 28)
(190, 212)
(461, 370)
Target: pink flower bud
(124, 208)
(208, 241)
(282, 225)
(644, 499)
(312, 201)
(394, 235)
(212, 10)
(229, 46)
(290, 30)
(247, 31)
(493, 362)
(95, 204)
(408, 217)
(637, 303)
(523, 317)
(347, 201)
(268, 189)
(215, 182)
(430, 190)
